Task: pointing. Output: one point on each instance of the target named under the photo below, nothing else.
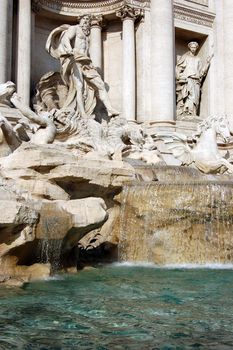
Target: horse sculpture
(204, 153)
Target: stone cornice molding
(200, 2)
(192, 15)
(75, 8)
(128, 12)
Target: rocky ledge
(51, 197)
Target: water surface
(121, 307)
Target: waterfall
(177, 223)
(50, 252)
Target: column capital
(36, 6)
(96, 21)
(129, 12)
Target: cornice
(200, 2)
(74, 8)
(71, 8)
(192, 15)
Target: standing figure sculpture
(70, 44)
(190, 73)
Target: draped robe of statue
(189, 75)
(75, 65)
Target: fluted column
(6, 13)
(228, 58)
(96, 41)
(128, 16)
(24, 50)
(162, 60)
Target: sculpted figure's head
(193, 47)
(85, 24)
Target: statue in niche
(70, 44)
(190, 73)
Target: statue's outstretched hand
(16, 99)
(209, 58)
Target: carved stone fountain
(75, 189)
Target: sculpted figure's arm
(206, 66)
(27, 112)
(9, 133)
(67, 38)
(43, 135)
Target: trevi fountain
(116, 174)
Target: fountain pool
(122, 307)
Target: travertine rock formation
(49, 193)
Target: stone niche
(42, 62)
(111, 49)
(112, 61)
(183, 37)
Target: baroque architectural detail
(128, 12)
(36, 6)
(193, 16)
(96, 21)
(190, 74)
(207, 159)
(73, 8)
(200, 2)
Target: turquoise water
(121, 307)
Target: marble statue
(204, 153)
(115, 139)
(70, 44)
(44, 131)
(39, 128)
(6, 91)
(190, 73)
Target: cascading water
(177, 223)
(50, 252)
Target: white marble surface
(228, 59)
(96, 47)
(162, 60)
(6, 10)
(24, 50)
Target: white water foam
(213, 266)
(54, 278)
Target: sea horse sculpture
(204, 153)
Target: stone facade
(142, 67)
(90, 91)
